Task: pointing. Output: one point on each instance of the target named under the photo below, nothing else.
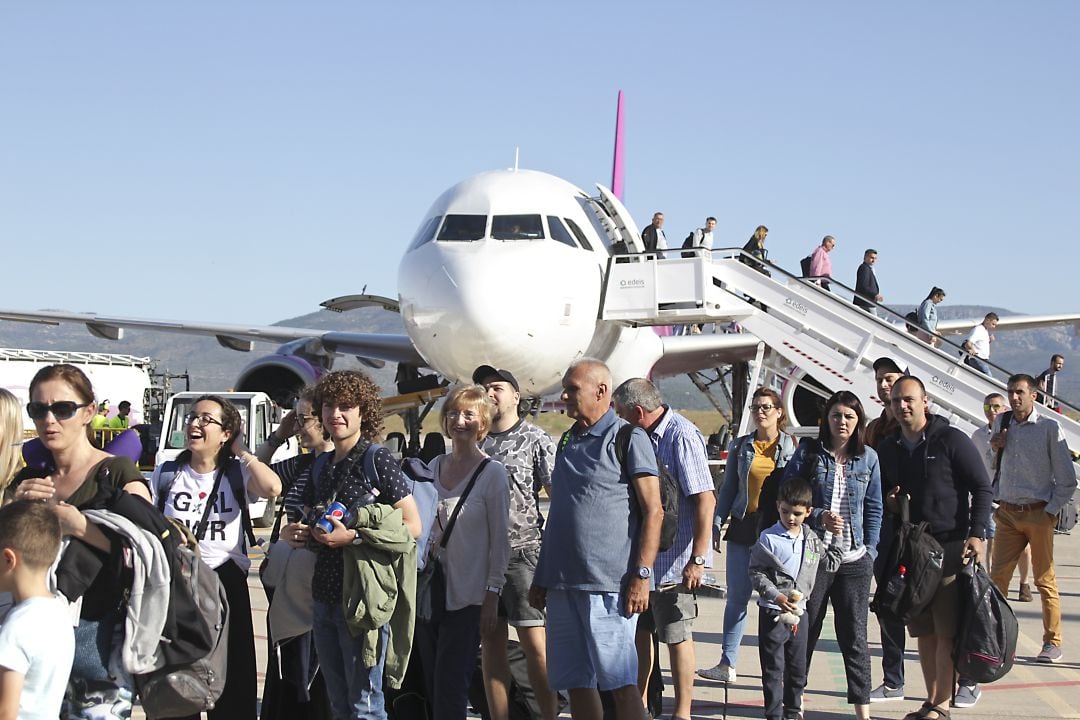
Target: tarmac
(1030, 690)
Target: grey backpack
(191, 688)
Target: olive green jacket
(379, 588)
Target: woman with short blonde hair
(471, 568)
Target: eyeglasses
(302, 420)
(201, 420)
(762, 408)
(467, 415)
(62, 410)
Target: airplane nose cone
(524, 307)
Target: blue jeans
(738, 596)
(355, 691)
(977, 363)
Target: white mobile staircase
(820, 332)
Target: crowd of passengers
(382, 607)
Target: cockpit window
(559, 231)
(426, 233)
(579, 235)
(463, 228)
(517, 227)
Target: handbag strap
(461, 501)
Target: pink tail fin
(617, 164)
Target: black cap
(887, 364)
(485, 372)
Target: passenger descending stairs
(820, 332)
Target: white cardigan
(479, 548)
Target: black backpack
(688, 242)
(669, 489)
(985, 645)
(912, 570)
(669, 486)
(804, 265)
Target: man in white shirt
(977, 344)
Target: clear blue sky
(242, 161)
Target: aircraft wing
(1011, 322)
(394, 348)
(686, 353)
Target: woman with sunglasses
(290, 692)
(751, 459)
(471, 568)
(62, 407)
(208, 488)
(846, 512)
(11, 438)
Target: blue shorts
(589, 643)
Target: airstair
(820, 332)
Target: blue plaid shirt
(680, 446)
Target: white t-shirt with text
(224, 538)
(37, 641)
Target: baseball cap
(484, 372)
(887, 364)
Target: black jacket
(866, 286)
(945, 478)
(648, 238)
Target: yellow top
(761, 467)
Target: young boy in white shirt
(37, 639)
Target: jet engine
(283, 374)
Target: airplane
(556, 239)
(534, 224)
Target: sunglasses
(303, 420)
(63, 410)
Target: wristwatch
(356, 537)
(644, 572)
(493, 589)
(698, 559)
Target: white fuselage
(515, 289)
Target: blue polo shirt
(590, 540)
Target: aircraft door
(625, 227)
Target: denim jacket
(863, 475)
(732, 498)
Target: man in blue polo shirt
(595, 568)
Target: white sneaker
(721, 673)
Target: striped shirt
(840, 503)
(680, 446)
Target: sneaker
(721, 673)
(1050, 654)
(884, 693)
(966, 696)
(1025, 593)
